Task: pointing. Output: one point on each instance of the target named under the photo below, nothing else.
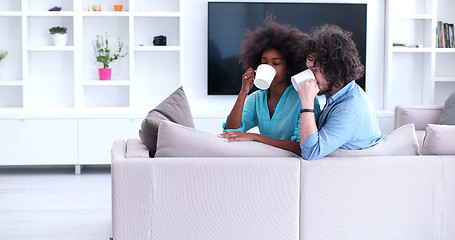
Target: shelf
(50, 48)
(11, 83)
(445, 50)
(157, 48)
(411, 50)
(106, 83)
(414, 17)
(49, 13)
(444, 79)
(106, 14)
(10, 14)
(157, 14)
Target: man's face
(317, 70)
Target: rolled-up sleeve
(249, 117)
(340, 127)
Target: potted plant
(105, 56)
(59, 35)
(3, 54)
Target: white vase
(60, 39)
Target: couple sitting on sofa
(286, 117)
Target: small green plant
(104, 54)
(57, 30)
(3, 54)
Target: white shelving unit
(423, 75)
(42, 82)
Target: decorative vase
(60, 39)
(118, 8)
(105, 73)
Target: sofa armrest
(371, 198)
(420, 115)
(136, 149)
(206, 198)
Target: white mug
(264, 76)
(302, 77)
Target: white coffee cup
(302, 77)
(264, 76)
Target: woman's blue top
(285, 122)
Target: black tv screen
(228, 22)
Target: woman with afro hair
(275, 111)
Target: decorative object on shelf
(159, 40)
(105, 56)
(96, 8)
(118, 8)
(59, 35)
(445, 35)
(3, 54)
(55, 9)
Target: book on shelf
(445, 35)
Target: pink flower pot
(105, 73)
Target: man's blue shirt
(346, 122)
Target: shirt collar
(332, 98)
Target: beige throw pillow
(439, 140)
(401, 142)
(179, 141)
(174, 108)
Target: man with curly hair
(347, 120)
(275, 111)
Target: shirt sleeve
(249, 116)
(339, 129)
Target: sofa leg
(77, 169)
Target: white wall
(195, 60)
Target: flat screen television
(228, 22)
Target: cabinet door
(97, 135)
(38, 141)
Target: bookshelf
(45, 85)
(423, 74)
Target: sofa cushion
(439, 140)
(402, 141)
(174, 108)
(448, 112)
(175, 140)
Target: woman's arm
(242, 136)
(234, 120)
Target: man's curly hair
(336, 52)
(287, 40)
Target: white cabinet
(418, 73)
(38, 141)
(46, 83)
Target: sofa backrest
(420, 115)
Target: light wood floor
(54, 203)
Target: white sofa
(382, 197)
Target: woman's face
(274, 58)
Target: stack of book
(444, 35)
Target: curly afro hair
(287, 40)
(335, 51)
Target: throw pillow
(439, 140)
(179, 141)
(448, 112)
(401, 142)
(174, 108)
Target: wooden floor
(54, 203)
